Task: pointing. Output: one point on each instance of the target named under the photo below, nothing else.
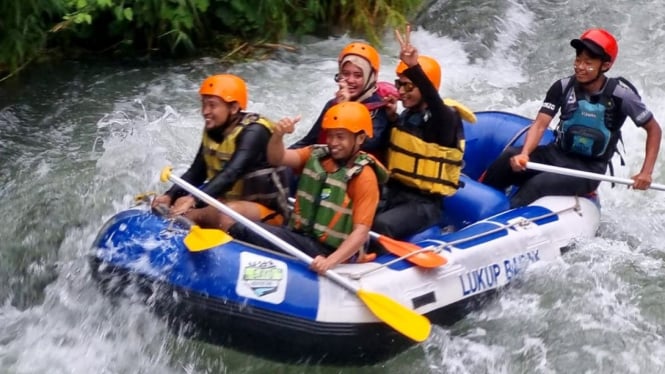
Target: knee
(431, 214)
(504, 158)
(237, 231)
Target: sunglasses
(408, 86)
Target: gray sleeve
(632, 105)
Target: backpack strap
(625, 82)
(607, 93)
(567, 88)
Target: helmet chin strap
(356, 149)
(599, 75)
(217, 133)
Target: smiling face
(353, 76)
(216, 112)
(409, 94)
(588, 66)
(343, 143)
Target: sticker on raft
(261, 278)
(489, 276)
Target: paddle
(402, 319)
(587, 175)
(405, 249)
(197, 239)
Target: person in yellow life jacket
(338, 190)
(425, 152)
(231, 161)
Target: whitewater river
(79, 140)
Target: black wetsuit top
(250, 155)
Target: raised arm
(278, 155)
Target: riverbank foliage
(32, 29)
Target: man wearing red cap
(593, 109)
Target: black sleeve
(553, 99)
(313, 134)
(250, 151)
(443, 126)
(196, 175)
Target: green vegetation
(32, 29)
(24, 28)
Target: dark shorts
(304, 243)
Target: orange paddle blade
(423, 259)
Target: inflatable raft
(271, 304)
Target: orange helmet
(599, 41)
(429, 66)
(349, 115)
(227, 87)
(363, 50)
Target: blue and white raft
(271, 304)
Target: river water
(79, 140)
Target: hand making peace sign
(408, 53)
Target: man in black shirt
(231, 160)
(593, 109)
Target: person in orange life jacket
(593, 109)
(231, 159)
(357, 79)
(338, 190)
(428, 132)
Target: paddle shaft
(286, 247)
(587, 175)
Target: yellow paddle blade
(199, 239)
(397, 316)
(422, 259)
(462, 109)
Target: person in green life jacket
(231, 160)
(426, 148)
(338, 190)
(593, 109)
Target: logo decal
(549, 106)
(262, 278)
(325, 193)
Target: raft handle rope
(516, 136)
(438, 248)
(175, 224)
(144, 198)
